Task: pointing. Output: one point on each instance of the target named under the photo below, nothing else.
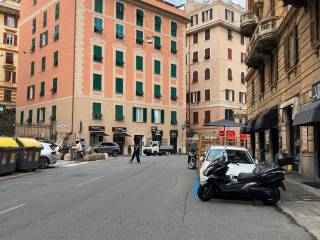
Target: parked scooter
(192, 159)
(261, 184)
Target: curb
(313, 230)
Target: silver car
(111, 148)
(48, 155)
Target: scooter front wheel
(205, 192)
(192, 164)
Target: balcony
(247, 23)
(262, 42)
(258, 3)
(295, 3)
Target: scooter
(261, 184)
(192, 159)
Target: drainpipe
(189, 86)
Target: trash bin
(8, 155)
(28, 154)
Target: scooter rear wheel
(272, 199)
(205, 192)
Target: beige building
(283, 81)
(216, 86)
(9, 15)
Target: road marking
(195, 185)
(13, 208)
(89, 181)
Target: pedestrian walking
(136, 151)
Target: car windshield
(234, 156)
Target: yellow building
(9, 16)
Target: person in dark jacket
(136, 150)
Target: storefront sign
(316, 91)
(119, 129)
(231, 135)
(304, 136)
(174, 133)
(244, 136)
(96, 128)
(221, 133)
(154, 128)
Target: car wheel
(115, 153)
(43, 162)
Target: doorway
(274, 142)
(293, 134)
(95, 139)
(173, 142)
(317, 152)
(262, 144)
(120, 139)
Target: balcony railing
(247, 23)
(258, 3)
(295, 3)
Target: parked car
(154, 148)
(242, 161)
(48, 155)
(111, 148)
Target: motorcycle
(192, 159)
(261, 184)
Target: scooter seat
(246, 176)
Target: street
(113, 199)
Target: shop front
(157, 134)
(119, 137)
(97, 134)
(174, 140)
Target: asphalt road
(113, 199)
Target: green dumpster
(8, 155)
(28, 154)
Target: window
(229, 114)
(315, 24)
(57, 11)
(119, 32)
(291, 49)
(174, 28)
(97, 53)
(157, 116)
(55, 58)
(194, 20)
(174, 120)
(32, 68)
(34, 2)
(9, 39)
(30, 92)
(195, 118)
(29, 120)
(173, 47)
(207, 95)
(195, 57)
(43, 39)
(119, 85)
(120, 10)
(45, 17)
(188, 97)
(174, 96)
(56, 33)
(229, 15)
(157, 42)
(207, 34)
(173, 70)
(273, 68)
(139, 37)
(262, 81)
(139, 63)
(229, 53)
(7, 95)
(139, 115)
(42, 89)
(54, 85)
(119, 59)
(53, 116)
(195, 77)
(10, 76)
(243, 78)
(157, 67)
(207, 53)
(97, 82)
(119, 113)
(98, 6)
(242, 40)
(207, 117)
(230, 74)
(41, 115)
(157, 91)
(9, 58)
(34, 25)
(243, 57)
(230, 34)
(98, 25)
(157, 23)
(96, 111)
(139, 89)
(242, 97)
(139, 17)
(196, 97)
(33, 45)
(207, 74)
(195, 38)
(21, 117)
(229, 95)
(43, 64)
(207, 15)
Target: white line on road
(13, 208)
(89, 181)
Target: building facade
(104, 70)
(9, 17)
(283, 81)
(216, 87)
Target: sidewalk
(302, 203)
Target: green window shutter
(46, 37)
(119, 31)
(139, 17)
(145, 115)
(139, 88)
(41, 41)
(173, 93)
(157, 91)
(162, 116)
(119, 85)
(45, 16)
(33, 45)
(30, 116)
(139, 63)
(43, 63)
(152, 115)
(119, 10)
(134, 114)
(174, 29)
(55, 58)
(173, 47)
(98, 25)
(38, 115)
(44, 114)
(32, 68)
(174, 118)
(57, 12)
(157, 42)
(42, 89)
(56, 32)
(157, 67)
(97, 53)
(96, 111)
(34, 25)
(97, 82)
(98, 6)
(119, 59)
(54, 85)
(157, 23)
(53, 113)
(21, 117)
(119, 112)
(139, 37)
(173, 70)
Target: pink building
(103, 70)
